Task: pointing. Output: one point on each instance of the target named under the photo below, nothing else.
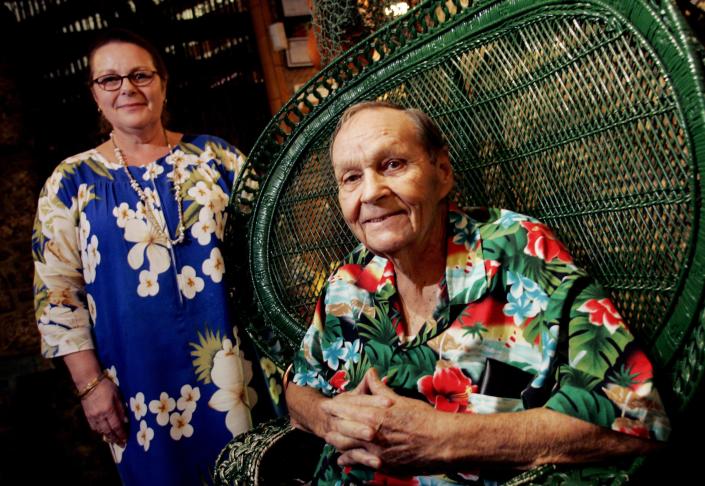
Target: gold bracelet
(91, 385)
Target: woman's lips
(132, 105)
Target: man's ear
(445, 172)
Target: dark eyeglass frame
(133, 77)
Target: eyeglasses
(113, 82)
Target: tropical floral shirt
(155, 313)
(511, 295)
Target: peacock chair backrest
(587, 115)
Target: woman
(129, 279)
(468, 318)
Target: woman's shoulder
(78, 159)
(83, 166)
(214, 148)
(203, 140)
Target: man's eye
(393, 164)
(350, 179)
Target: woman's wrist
(83, 366)
(84, 391)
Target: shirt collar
(467, 272)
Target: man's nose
(374, 187)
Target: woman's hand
(102, 404)
(105, 412)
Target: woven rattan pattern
(567, 119)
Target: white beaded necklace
(145, 201)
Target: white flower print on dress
(201, 193)
(153, 171)
(214, 266)
(220, 219)
(84, 231)
(152, 197)
(123, 214)
(141, 211)
(62, 315)
(58, 224)
(116, 452)
(91, 260)
(149, 286)
(53, 184)
(178, 175)
(55, 336)
(189, 397)
(162, 407)
(204, 227)
(207, 155)
(180, 426)
(180, 159)
(208, 172)
(145, 435)
(84, 195)
(234, 161)
(91, 307)
(137, 405)
(150, 241)
(231, 373)
(189, 283)
(218, 199)
(111, 373)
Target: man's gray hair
(430, 135)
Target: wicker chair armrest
(271, 453)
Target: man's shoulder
(490, 216)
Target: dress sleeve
(60, 302)
(599, 374)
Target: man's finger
(342, 442)
(359, 456)
(377, 387)
(344, 405)
(353, 429)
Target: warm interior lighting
(396, 9)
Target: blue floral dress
(155, 313)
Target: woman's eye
(109, 79)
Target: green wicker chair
(589, 115)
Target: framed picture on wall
(297, 53)
(294, 8)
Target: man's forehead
(380, 114)
(377, 121)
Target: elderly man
(450, 345)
